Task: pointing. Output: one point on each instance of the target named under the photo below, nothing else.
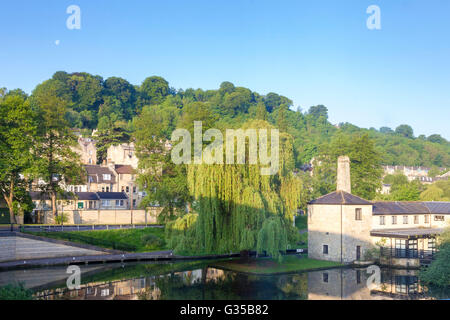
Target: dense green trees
(112, 103)
(116, 108)
(438, 191)
(438, 273)
(365, 163)
(240, 209)
(16, 141)
(55, 160)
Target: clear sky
(314, 52)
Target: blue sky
(314, 52)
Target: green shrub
(60, 219)
(15, 292)
(151, 240)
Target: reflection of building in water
(213, 274)
(130, 289)
(115, 290)
(336, 284)
(401, 285)
(351, 284)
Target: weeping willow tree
(238, 208)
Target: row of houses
(110, 185)
(82, 201)
(416, 173)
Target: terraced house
(344, 228)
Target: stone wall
(106, 216)
(335, 226)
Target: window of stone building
(134, 202)
(427, 218)
(358, 214)
(431, 244)
(382, 220)
(325, 277)
(134, 189)
(107, 189)
(439, 218)
(416, 219)
(325, 249)
(394, 219)
(106, 176)
(127, 189)
(405, 219)
(358, 276)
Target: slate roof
(38, 195)
(112, 195)
(406, 233)
(340, 197)
(86, 196)
(438, 207)
(405, 207)
(399, 207)
(97, 172)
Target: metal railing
(407, 253)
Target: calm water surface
(202, 281)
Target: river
(200, 280)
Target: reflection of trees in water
(229, 286)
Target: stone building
(344, 228)
(124, 154)
(87, 150)
(126, 182)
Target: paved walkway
(19, 248)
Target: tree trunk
(53, 199)
(9, 202)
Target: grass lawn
(270, 266)
(132, 240)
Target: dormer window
(106, 176)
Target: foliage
(438, 273)
(235, 202)
(15, 292)
(93, 102)
(56, 161)
(164, 182)
(438, 191)
(365, 165)
(272, 237)
(16, 162)
(62, 218)
(401, 188)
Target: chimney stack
(343, 175)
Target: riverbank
(129, 240)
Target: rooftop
(406, 233)
(409, 207)
(97, 172)
(112, 195)
(340, 197)
(123, 169)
